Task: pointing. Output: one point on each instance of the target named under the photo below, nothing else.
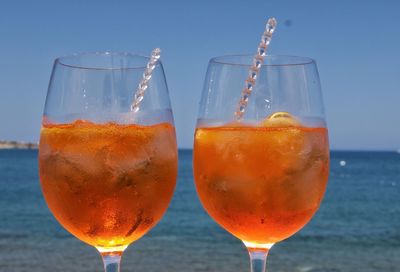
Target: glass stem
(111, 261)
(258, 259)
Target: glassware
(107, 173)
(261, 177)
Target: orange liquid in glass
(108, 184)
(262, 184)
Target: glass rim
(296, 60)
(62, 60)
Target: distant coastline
(17, 145)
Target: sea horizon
(191, 149)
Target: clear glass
(261, 177)
(107, 173)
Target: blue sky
(356, 45)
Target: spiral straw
(258, 60)
(141, 89)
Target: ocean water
(356, 229)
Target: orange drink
(108, 184)
(261, 183)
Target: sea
(357, 227)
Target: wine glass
(107, 173)
(261, 167)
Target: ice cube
(65, 172)
(305, 190)
(290, 142)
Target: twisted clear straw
(258, 60)
(143, 85)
